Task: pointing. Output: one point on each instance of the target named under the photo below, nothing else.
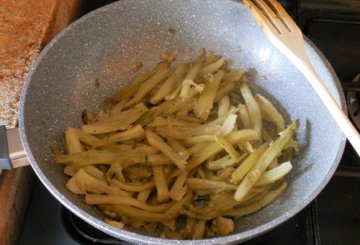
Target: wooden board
(26, 26)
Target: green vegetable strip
(168, 86)
(121, 123)
(221, 163)
(84, 183)
(274, 174)
(133, 133)
(224, 90)
(132, 187)
(130, 90)
(214, 148)
(149, 84)
(72, 140)
(227, 147)
(248, 163)
(234, 76)
(197, 183)
(139, 214)
(252, 208)
(266, 158)
(207, 97)
(191, 75)
(270, 111)
(93, 199)
(253, 108)
(211, 68)
(160, 144)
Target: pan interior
(105, 45)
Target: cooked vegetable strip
(196, 183)
(183, 133)
(252, 208)
(95, 172)
(227, 147)
(199, 230)
(234, 76)
(198, 147)
(184, 140)
(266, 158)
(224, 162)
(171, 106)
(248, 163)
(158, 143)
(118, 107)
(115, 171)
(87, 139)
(101, 157)
(201, 138)
(224, 174)
(178, 189)
(170, 224)
(224, 106)
(87, 157)
(132, 187)
(214, 148)
(224, 90)
(136, 132)
(213, 67)
(207, 97)
(181, 150)
(271, 112)
(169, 84)
(161, 184)
(117, 224)
(130, 90)
(192, 74)
(149, 84)
(161, 121)
(274, 174)
(179, 205)
(216, 208)
(83, 182)
(225, 226)
(252, 106)
(116, 122)
(246, 146)
(139, 214)
(148, 116)
(159, 159)
(124, 115)
(228, 125)
(244, 116)
(72, 140)
(92, 199)
(70, 170)
(144, 195)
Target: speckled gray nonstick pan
(105, 44)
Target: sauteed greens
(182, 144)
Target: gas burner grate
(353, 102)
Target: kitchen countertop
(26, 26)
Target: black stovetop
(333, 218)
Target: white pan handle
(12, 154)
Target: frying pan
(105, 44)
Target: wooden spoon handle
(337, 113)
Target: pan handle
(12, 154)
